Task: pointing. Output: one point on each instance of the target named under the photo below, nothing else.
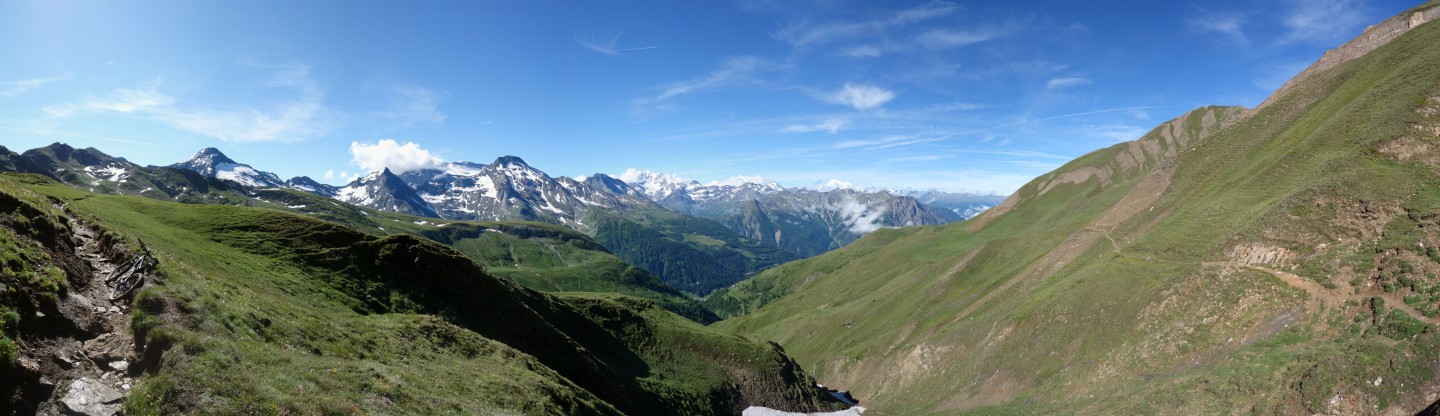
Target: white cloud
(388, 153)
(831, 126)
(330, 174)
(860, 96)
(302, 117)
(862, 220)
(609, 48)
(14, 88)
(1057, 83)
(802, 34)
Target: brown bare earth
(87, 361)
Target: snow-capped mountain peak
(384, 190)
(656, 185)
(211, 162)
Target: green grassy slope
(1284, 264)
(691, 254)
(259, 310)
(540, 256)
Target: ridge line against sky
(951, 95)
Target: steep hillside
(1282, 264)
(258, 310)
(1099, 179)
(692, 254)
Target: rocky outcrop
(1373, 38)
(1128, 159)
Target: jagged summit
(211, 162)
(611, 184)
(510, 161)
(386, 191)
(210, 155)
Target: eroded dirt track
(83, 356)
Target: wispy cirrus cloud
(1113, 133)
(888, 142)
(301, 117)
(918, 159)
(733, 71)
(610, 47)
(14, 88)
(860, 96)
(1228, 24)
(804, 34)
(831, 126)
(120, 100)
(1322, 20)
(951, 38)
(411, 104)
(862, 51)
(1067, 82)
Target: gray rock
(64, 362)
(120, 365)
(92, 398)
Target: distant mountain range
(760, 214)
(804, 221)
(695, 237)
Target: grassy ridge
(539, 256)
(265, 311)
(1108, 296)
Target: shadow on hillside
(1433, 410)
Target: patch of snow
(765, 411)
(740, 180)
(357, 195)
(238, 173)
(459, 170)
(108, 173)
(295, 206)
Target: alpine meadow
(825, 230)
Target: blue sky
(962, 95)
